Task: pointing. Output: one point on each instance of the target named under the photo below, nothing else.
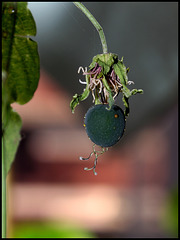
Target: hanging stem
(95, 23)
(3, 191)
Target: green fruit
(105, 127)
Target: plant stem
(95, 23)
(3, 191)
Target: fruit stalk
(95, 23)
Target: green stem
(95, 23)
(3, 191)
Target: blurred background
(135, 191)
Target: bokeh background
(135, 191)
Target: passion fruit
(105, 127)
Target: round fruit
(105, 127)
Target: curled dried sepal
(80, 97)
(121, 72)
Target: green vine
(20, 76)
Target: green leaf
(110, 98)
(19, 13)
(134, 91)
(121, 71)
(80, 97)
(20, 59)
(126, 104)
(105, 61)
(11, 137)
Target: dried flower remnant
(105, 79)
(96, 83)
